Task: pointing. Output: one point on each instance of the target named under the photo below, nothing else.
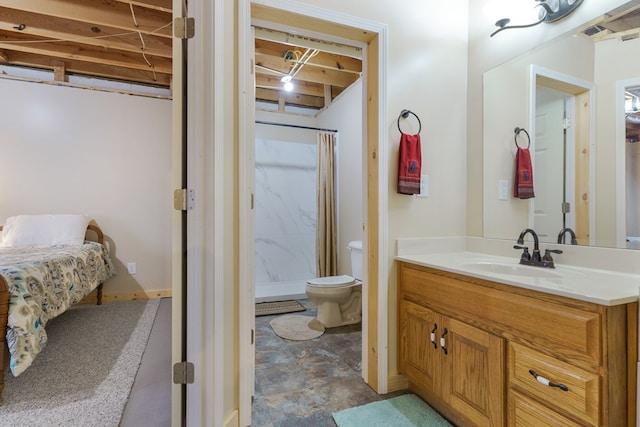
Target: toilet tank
(356, 258)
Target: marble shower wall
(285, 212)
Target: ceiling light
(286, 78)
(288, 86)
(549, 11)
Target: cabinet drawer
(524, 412)
(582, 398)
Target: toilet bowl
(339, 298)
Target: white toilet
(339, 298)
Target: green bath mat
(407, 410)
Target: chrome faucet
(574, 240)
(534, 258)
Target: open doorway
(372, 37)
(561, 124)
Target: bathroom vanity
(489, 343)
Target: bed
(38, 283)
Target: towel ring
(517, 132)
(404, 114)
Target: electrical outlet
(131, 267)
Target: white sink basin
(512, 269)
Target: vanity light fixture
(550, 11)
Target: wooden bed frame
(4, 308)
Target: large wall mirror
(579, 98)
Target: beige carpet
(296, 327)
(84, 375)
(278, 307)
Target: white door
(179, 221)
(548, 174)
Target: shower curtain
(327, 257)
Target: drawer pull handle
(543, 380)
(433, 336)
(443, 343)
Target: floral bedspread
(43, 283)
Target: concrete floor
(150, 398)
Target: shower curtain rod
(260, 122)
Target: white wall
(345, 115)
(107, 155)
(285, 205)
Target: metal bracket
(566, 207)
(183, 373)
(184, 199)
(184, 28)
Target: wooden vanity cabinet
(469, 347)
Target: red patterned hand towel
(410, 164)
(523, 185)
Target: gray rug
(84, 375)
(278, 307)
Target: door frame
(375, 182)
(621, 162)
(570, 85)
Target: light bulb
(288, 86)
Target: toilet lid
(332, 281)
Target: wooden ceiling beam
(16, 42)
(3, 57)
(322, 59)
(272, 95)
(97, 12)
(161, 5)
(308, 72)
(271, 82)
(73, 66)
(65, 29)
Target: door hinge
(183, 199)
(184, 28)
(252, 201)
(253, 336)
(183, 373)
(566, 207)
(566, 123)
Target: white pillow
(44, 230)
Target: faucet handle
(526, 256)
(548, 252)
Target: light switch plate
(503, 189)
(424, 186)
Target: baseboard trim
(113, 297)
(233, 420)
(397, 382)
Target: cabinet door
(418, 354)
(474, 384)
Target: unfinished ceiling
(623, 22)
(121, 40)
(130, 41)
(318, 70)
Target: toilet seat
(343, 281)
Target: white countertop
(603, 287)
